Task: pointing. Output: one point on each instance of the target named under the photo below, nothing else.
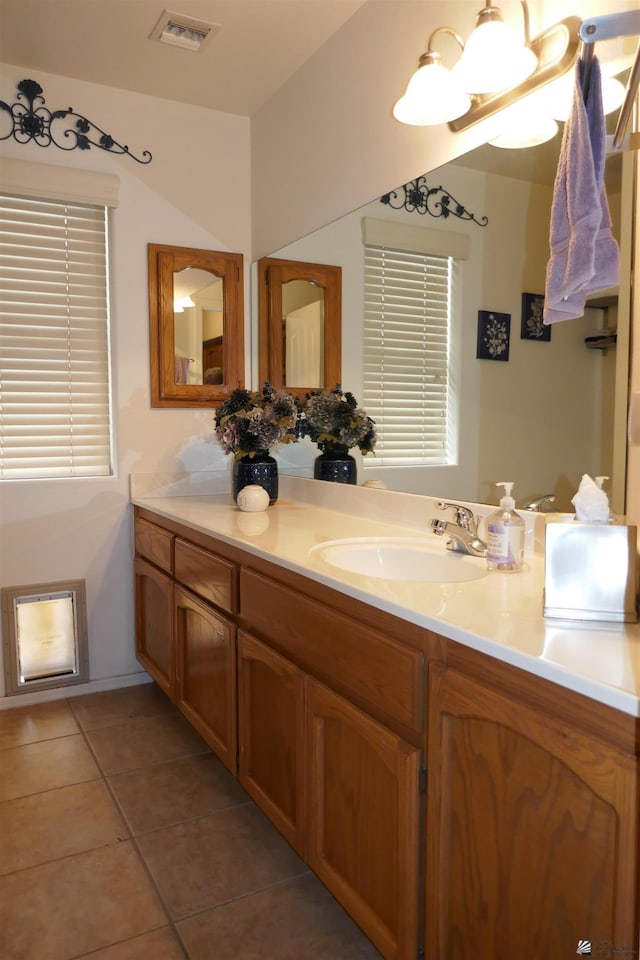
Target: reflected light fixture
(494, 57)
(181, 303)
(533, 120)
(525, 128)
(559, 96)
(432, 96)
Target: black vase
(260, 469)
(336, 464)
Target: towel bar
(608, 27)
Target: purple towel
(584, 254)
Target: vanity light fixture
(182, 31)
(433, 95)
(494, 58)
(553, 53)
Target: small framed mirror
(299, 325)
(196, 325)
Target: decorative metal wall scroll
(31, 120)
(436, 201)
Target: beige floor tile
(228, 854)
(167, 793)
(144, 741)
(58, 823)
(159, 945)
(117, 706)
(294, 920)
(68, 907)
(41, 721)
(44, 766)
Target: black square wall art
(493, 335)
(531, 325)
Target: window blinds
(54, 339)
(406, 353)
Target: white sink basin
(399, 558)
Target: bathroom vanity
(460, 773)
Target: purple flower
(248, 423)
(333, 418)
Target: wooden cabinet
(364, 818)
(206, 673)
(154, 624)
(343, 789)
(532, 831)
(183, 638)
(271, 736)
(528, 838)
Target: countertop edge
(600, 691)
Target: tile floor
(123, 838)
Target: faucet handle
(536, 506)
(464, 516)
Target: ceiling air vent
(182, 31)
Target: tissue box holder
(590, 571)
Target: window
(409, 303)
(54, 332)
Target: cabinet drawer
(379, 674)
(209, 576)
(155, 544)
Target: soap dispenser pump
(505, 534)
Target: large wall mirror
(557, 408)
(196, 325)
(299, 324)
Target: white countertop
(500, 614)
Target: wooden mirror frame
(272, 274)
(163, 262)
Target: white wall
(195, 192)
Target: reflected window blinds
(408, 306)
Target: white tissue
(591, 503)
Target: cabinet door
(531, 832)
(363, 819)
(154, 624)
(206, 673)
(271, 736)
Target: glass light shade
(559, 96)
(526, 129)
(493, 59)
(432, 96)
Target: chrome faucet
(463, 534)
(538, 505)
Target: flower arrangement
(334, 419)
(251, 422)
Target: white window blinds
(54, 339)
(407, 344)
